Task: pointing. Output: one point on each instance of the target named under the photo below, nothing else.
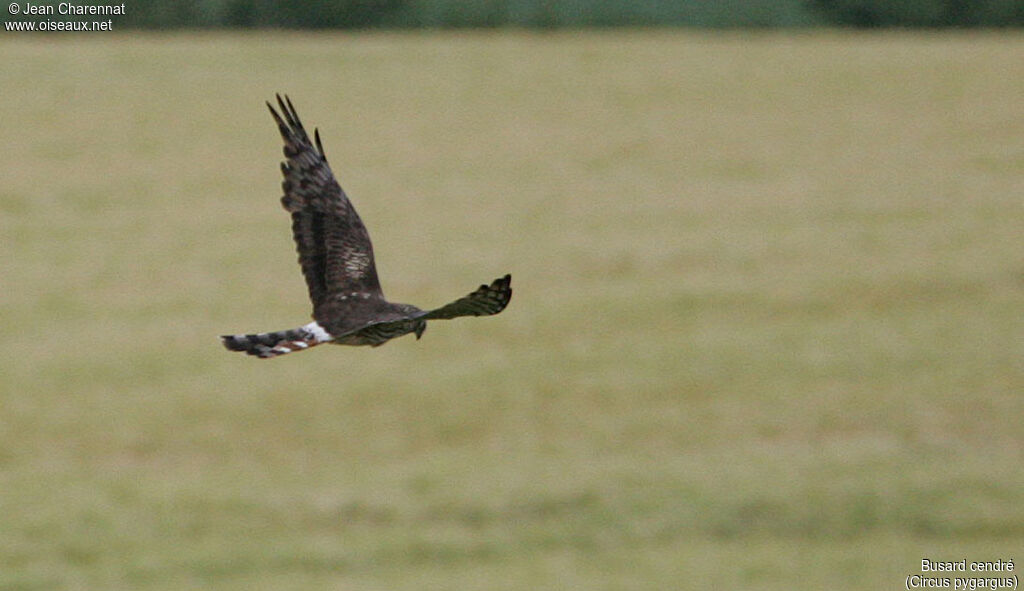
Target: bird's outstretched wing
(333, 245)
(486, 300)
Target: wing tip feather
(319, 146)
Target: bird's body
(336, 257)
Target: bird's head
(412, 313)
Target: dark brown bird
(336, 257)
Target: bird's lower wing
(485, 301)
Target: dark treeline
(361, 14)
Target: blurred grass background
(767, 328)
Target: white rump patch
(318, 332)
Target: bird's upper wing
(334, 247)
(486, 300)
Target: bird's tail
(271, 344)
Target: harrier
(337, 261)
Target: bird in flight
(337, 261)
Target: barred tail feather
(271, 344)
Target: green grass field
(767, 333)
